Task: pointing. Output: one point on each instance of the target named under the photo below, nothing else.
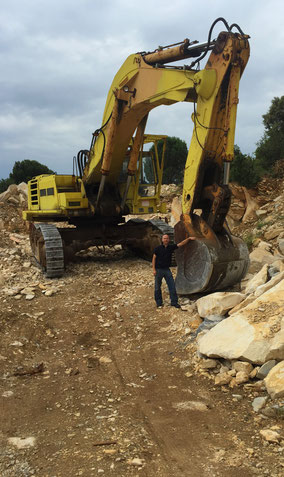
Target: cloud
(59, 59)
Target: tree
(175, 158)
(4, 184)
(244, 169)
(271, 146)
(25, 170)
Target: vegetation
(175, 158)
(271, 146)
(23, 171)
(244, 169)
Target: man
(161, 263)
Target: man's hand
(185, 241)
(155, 272)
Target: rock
(265, 368)
(190, 405)
(274, 381)
(30, 297)
(237, 397)
(258, 258)
(105, 360)
(136, 462)
(49, 293)
(242, 366)
(242, 377)
(277, 346)
(23, 187)
(279, 264)
(273, 233)
(218, 303)
(208, 364)
(259, 279)
(254, 372)
(259, 402)
(270, 436)
(250, 334)
(264, 245)
(271, 283)
(22, 442)
(281, 245)
(252, 206)
(223, 378)
(242, 305)
(269, 412)
(176, 211)
(261, 213)
(14, 201)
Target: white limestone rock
(258, 403)
(242, 366)
(252, 333)
(242, 305)
(218, 303)
(270, 435)
(242, 377)
(258, 258)
(270, 284)
(274, 381)
(259, 279)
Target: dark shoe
(176, 306)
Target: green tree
(25, 170)
(244, 169)
(271, 146)
(4, 184)
(175, 158)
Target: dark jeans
(167, 275)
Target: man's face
(165, 240)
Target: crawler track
(47, 246)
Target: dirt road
(96, 381)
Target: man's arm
(154, 264)
(185, 241)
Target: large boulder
(252, 206)
(270, 284)
(252, 334)
(218, 303)
(274, 381)
(259, 279)
(258, 258)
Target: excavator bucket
(209, 263)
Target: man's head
(165, 240)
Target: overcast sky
(59, 57)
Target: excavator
(121, 175)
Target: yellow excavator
(120, 174)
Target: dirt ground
(103, 384)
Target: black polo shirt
(164, 255)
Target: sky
(58, 60)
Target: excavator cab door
(144, 192)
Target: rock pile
(245, 329)
(12, 203)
